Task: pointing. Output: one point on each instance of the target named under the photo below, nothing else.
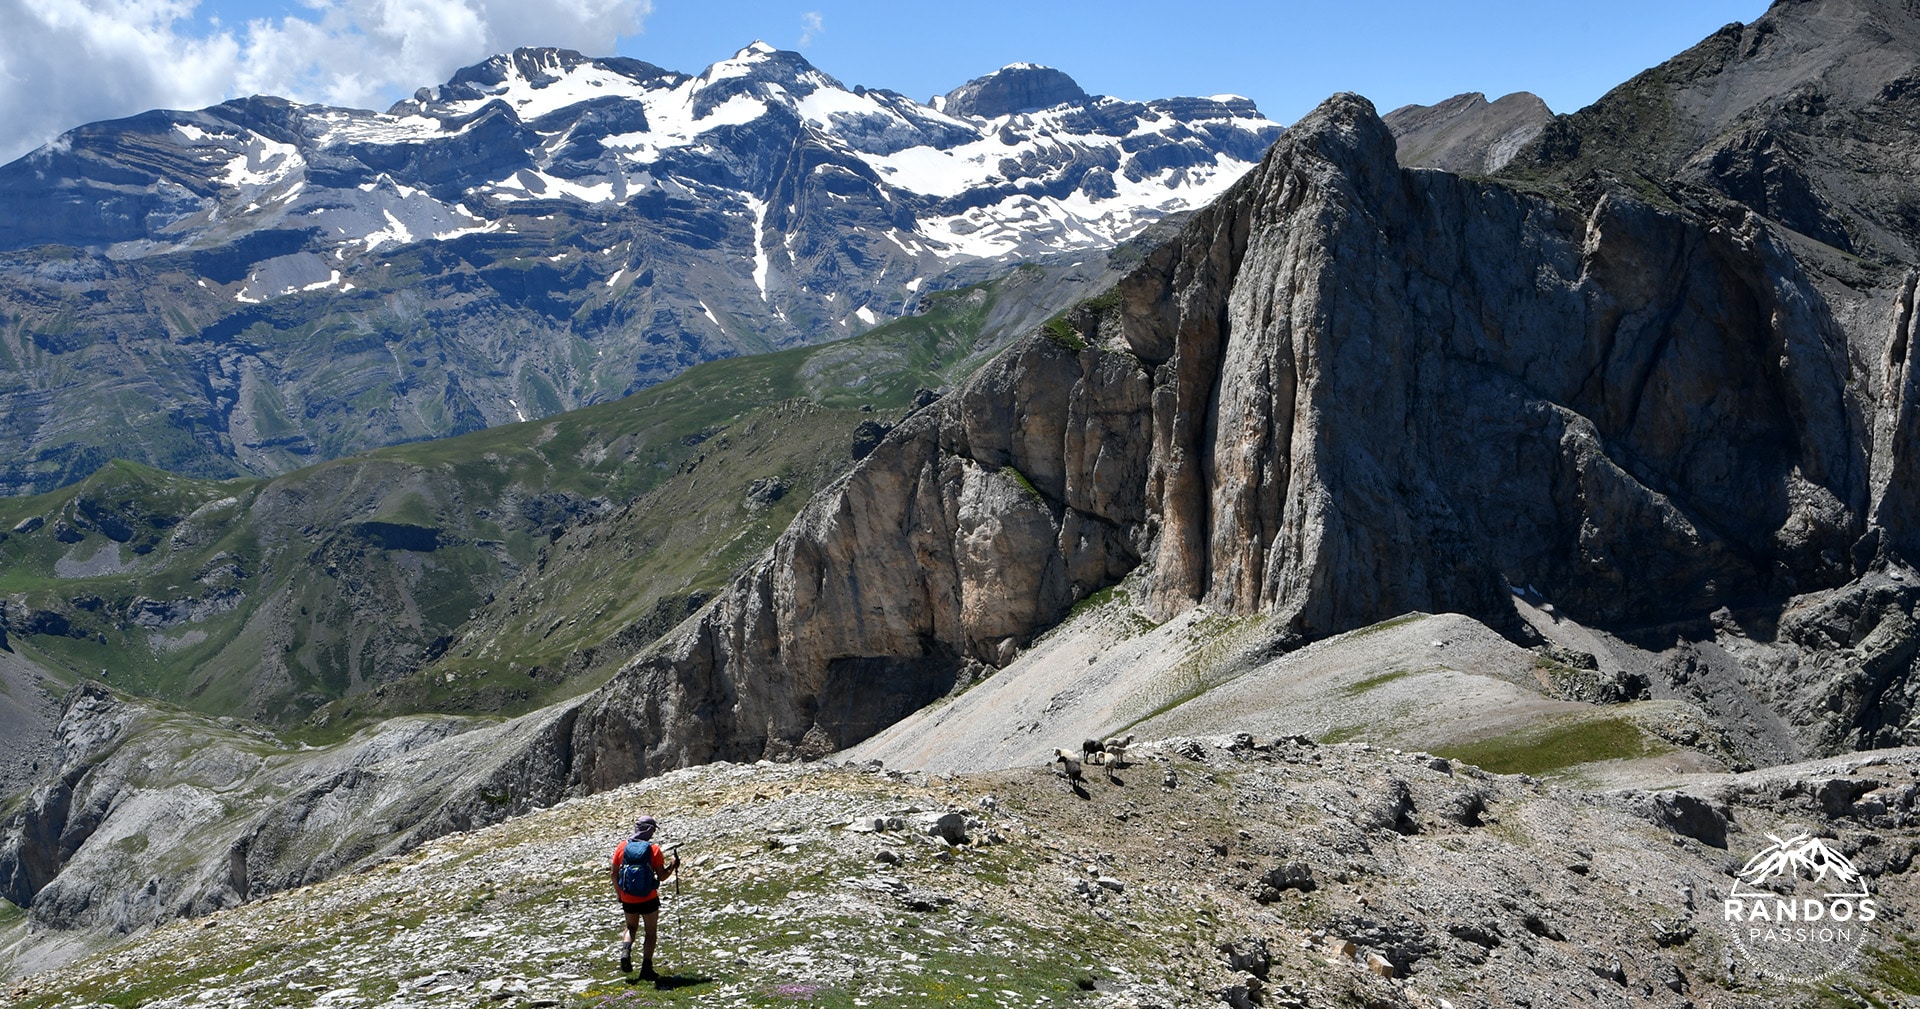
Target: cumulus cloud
(811, 24)
(68, 62)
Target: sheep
(1068, 764)
(1093, 752)
(1115, 748)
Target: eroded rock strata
(1345, 392)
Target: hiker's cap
(643, 828)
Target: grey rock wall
(1344, 392)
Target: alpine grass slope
(1236, 871)
(492, 571)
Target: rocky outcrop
(1344, 392)
(1642, 411)
(1467, 134)
(1021, 87)
(151, 814)
(1804, 117)
(974, 523)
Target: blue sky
(65, 62)
(1286, 55)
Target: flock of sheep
(1110, 753)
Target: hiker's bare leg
(653, 930)
(626, 941)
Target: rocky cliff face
(152, 813)
(1805, 117)
(1348, 391)
(275, 284)
(1021, 87)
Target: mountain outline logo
(1799, 909)
(1801, 854)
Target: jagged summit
(1016, 87)
(1467, 134)
(533, 69)
(762, 62)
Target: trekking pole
(674, 849)
(673, 931)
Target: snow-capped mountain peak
(1010, 164)
(756, 204)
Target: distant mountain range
(259, 285)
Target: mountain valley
(1492, 526)
(257, 286)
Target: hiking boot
(626, 963)
(646, 972)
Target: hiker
(638, 867)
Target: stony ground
(1443, 683)
(1224, 871)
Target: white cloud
(811, 24)
(68, 62)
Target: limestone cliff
(1346, 391)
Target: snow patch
(735, 111)
(395, 232)
(539, 185)
(558, 88)
(761, 265)
(329, 282)
(265, 162)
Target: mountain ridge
(1467, 134)
(1688, 452)
(257, 285)
(327, 587)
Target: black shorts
(640, 906)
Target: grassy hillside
(272, 598)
